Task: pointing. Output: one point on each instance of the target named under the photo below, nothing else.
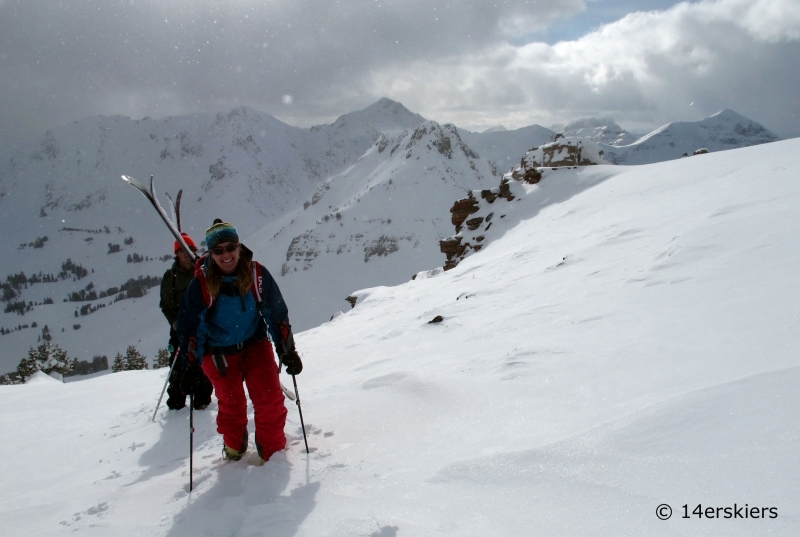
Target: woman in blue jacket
(229, 313)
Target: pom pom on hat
(220, 232)
(188, 240)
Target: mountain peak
(741, 125)
(727, 113)
(385, 102)
(444, 138)
(600, 129)
(383, 115)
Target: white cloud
(207, 54)
(450, 61)
(645, 68)
(766, 20)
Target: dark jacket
(233, 318)
(173, 285)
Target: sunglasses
(219, 250)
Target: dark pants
(177, 399)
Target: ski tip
(125, 179)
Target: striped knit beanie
(220, 232)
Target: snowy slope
(724, 130)
(628, 338)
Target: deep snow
(629, 337)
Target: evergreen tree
(120, 364)
(47, 357)
(162, 359)
(9, 379)
(58, 361)
(28, 365)
(135, 359)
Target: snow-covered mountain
(627, 338)
(244, 159)
(722, 131)
(83, 247)
(603, 130)
(77, 238)
(376, 223)
(503, 149)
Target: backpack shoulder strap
(258, 282)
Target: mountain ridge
(62, 204)
(722, 131)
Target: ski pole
(191, 439)
(169, 375)
(300, 409)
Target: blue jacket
(233, 318)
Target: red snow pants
(255, 366)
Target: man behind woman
(174, 283)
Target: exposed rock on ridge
(455, 248)
(564, 152)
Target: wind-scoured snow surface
(629, 337)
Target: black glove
(292, 361)
(193, 378)
(287, 352)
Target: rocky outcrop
(466, 213)
(562, 152)
(455, 247)
(701, 151)
(462, 209)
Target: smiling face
(226, 256)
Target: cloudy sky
(476, 63)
